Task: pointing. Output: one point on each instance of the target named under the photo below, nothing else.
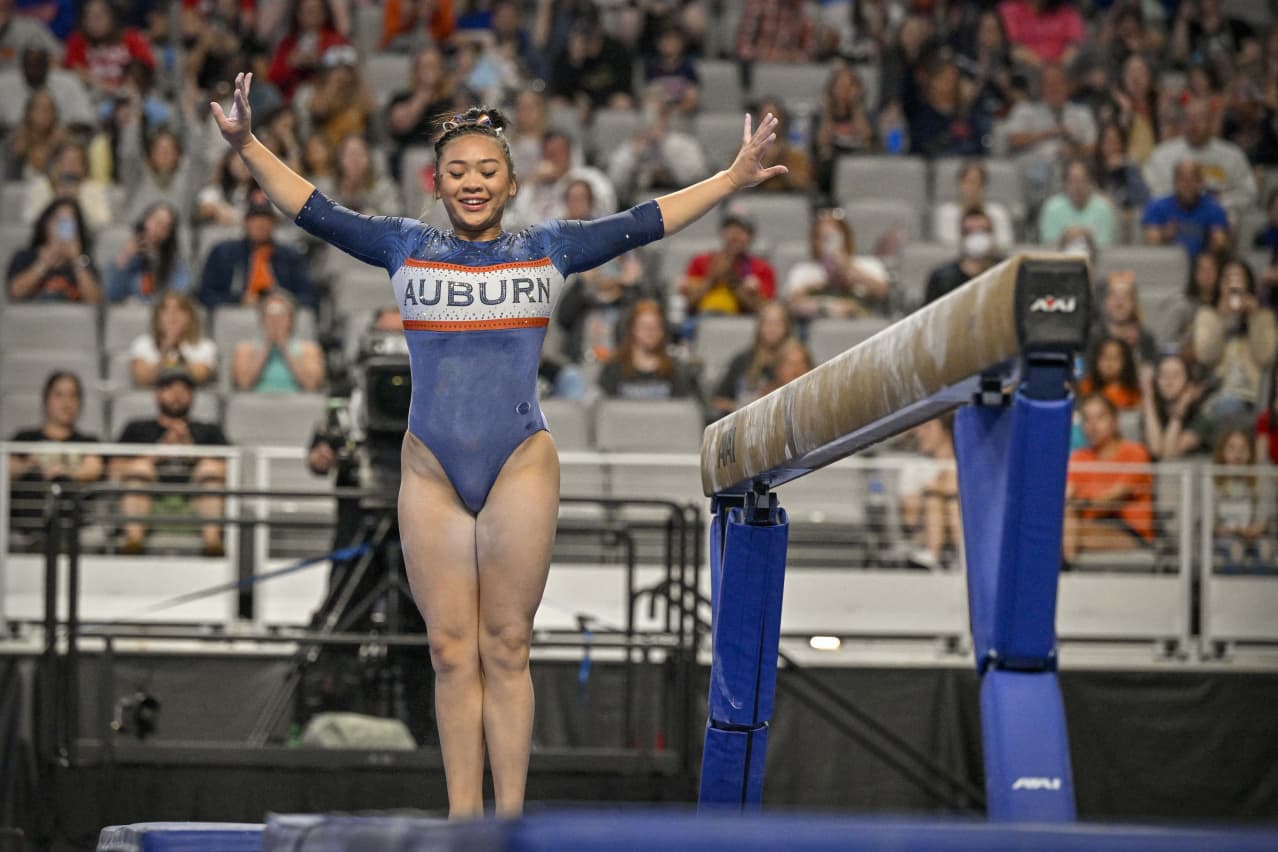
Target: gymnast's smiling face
(475, 182)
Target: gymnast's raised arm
(682, 208)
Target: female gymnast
(479, 496)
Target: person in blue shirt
(1189, 216)
(239, 271)
(479, 493)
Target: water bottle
(894, 141)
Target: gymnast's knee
(504, 649)
(453, 652)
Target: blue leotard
(475, 315)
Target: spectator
(1200, 290)
(776, 31)
(1042, 31)
(731, 280)
(1042, 133)
(642, 367)
(1138, 110)
(1111, 373)
(752, 372)
(1174, 423)
(33, 141)
(357, 185)
(176, 339)
(972, 182)
(658, 156)
(227, 193)
(281, 134)
(985, 59)
(793, 360)
(594, 302)
(172, 426)
(68, 178)
(671, 75)
(317, 159)
(1189, 216)
(17, 32)
(162, 178)
(1236, 340)
(150, 262)
(409, 26)
(1248, 122)
(977, 252)
(836, 282)
(300, 54)
(1244, 510)
(940, 117)
(38, 72)
(541, 194)
(843, 125)
(1202, 35)
(340, 103)
(1267, 426)
(933, 513)
(799, 177)
(279, 362)
(1117, 176)
(101, 49)
(1079, 214)
(531, 126)
(217, 35)
(29, 474)
(1107, 510)
(57, 264)
(593, 68)
(239, 271)
(412, 115)
(1226, 174)
(1120, 316)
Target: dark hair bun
(478, 117)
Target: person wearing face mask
(1079, 213)
(977, 253)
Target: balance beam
(912, 371)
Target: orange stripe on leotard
(476, 325)
(517, 264)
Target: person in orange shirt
(1111, 372)
(1110, 509)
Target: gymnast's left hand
(747, 169)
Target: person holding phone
(57, 264)
(836, 282)
(1236, 339)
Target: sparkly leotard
(475, 315)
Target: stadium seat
(123, 324)
(13, 197)
(719, 339)
(648, 426)
(23, 409)
(107, 244)
(784, 256)
(794, 83)
(857, 178)
(206, 407)
(918, 259)
(873, 219)
(27, 369)
(611, 129)
(829, 337)
(569, 423)
(719, 134)
(780, 217)
(387, 73)
(361, 291)
(1161, 271)
(262, 419)
(44, 324)
(411, 188)
(720, 85)
(1004, 184)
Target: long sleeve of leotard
(579, 246)
(383, 241)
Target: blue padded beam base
(1027, 770)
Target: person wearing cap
(238, 272)
(172, 425)
(730, 280)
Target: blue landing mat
(181, 837)
(636, 829)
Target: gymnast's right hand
(237, 124)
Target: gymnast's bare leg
(477, 581)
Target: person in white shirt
(656, 156)
(1226, 173)
(540, 196)
(175, 340)
(836, 282)
(1042, 133)
(37, 70)
(972, 183)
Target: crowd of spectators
(1124, 122)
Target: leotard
(475, 315)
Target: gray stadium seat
(719, 339)
(386, 73)
(23, 409)
(791, 82)
(43, 324)
(648, 426)
(1161, 271)
(1004, 182)
(918, 259)
(780, 218)
(361, 292)
(720, 84)
(27, 369)
(123, 324)
(231, 324)
(411, 190)
(829, 337)
(871, 220)
(784, 257)
(107, 244)
(720, 136)
(611, 129)
(259, 419)
(119, 370)
(862, 177)
(206, 407)
(677, 252)
(569, 421)
(13, 198)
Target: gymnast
(479, 495)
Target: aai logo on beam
(1054, 305)
(1027, 783)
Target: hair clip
(460, 120)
